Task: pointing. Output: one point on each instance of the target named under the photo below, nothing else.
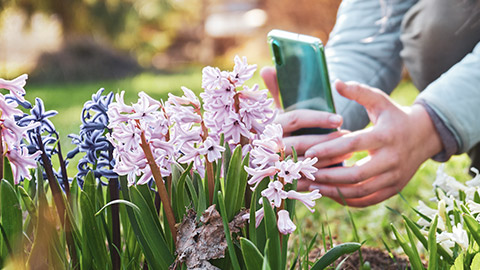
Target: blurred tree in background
(105, 39)
(141, 26)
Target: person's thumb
(269, 76)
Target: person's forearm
(455, 99)
(364, 46)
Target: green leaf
(432, 245)
(251, 255)
(89, 186)
(179, 199)
(413, 246)
(233, 183)
(151, 230)
(119, 201)
(133, 223)
(475, 262)
(7, 171)
(273, 247)
(227, 155)
(192, 192)
(413, 226)
(257, 234)
(334, 253)
(94, 237)
(231, 248)
(266, 260)
(202, 195)
(252, 230)
(407, 249)
(28, 202)
(473, 227)
(458, 265)
(440, 249)
(11, 218)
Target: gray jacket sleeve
(455, 99)
(364, 46)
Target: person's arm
(453, 101)
(364, 46)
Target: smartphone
(302, 74)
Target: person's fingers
(323, 163)
(374, 198)
(356, 141)
(269, 75)
(304, 184)
(303, 142)
(297, 119)
(377, 165)
(359, 190)
(367, 96)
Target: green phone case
(301, 72)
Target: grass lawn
(372, 222)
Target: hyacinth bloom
(231, 108)
(211, 150)
(275, 193)
(12, 133)
(267, 160)
(284, 223)
(92, 140)
(128, 125)
(15, 86)
(308, 199)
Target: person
(438, 42)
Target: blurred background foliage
(102, 39)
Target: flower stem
(116, 236)
(162, 191)
(210, 179)
(63, 167)
(208, 166)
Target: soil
(377, 258)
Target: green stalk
(162, 190)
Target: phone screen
(302, 74)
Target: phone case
(301, 73)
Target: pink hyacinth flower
(275, 193)
(15, 86)
(274, 132)
(284, 223)
(21, 161)
(258, 216)
(259, 174)
(9, 109)
(307, 168)
(211, 150)
(289, 170)
(308, 199)
(214, 78)
(188, 98)
(263, 157)
(234, 128)
(242, 71)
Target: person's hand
(297, 119)
(399, 141)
